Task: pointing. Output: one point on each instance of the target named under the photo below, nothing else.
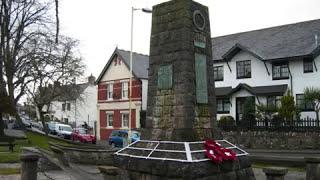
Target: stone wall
(274, 140)
(86, 154)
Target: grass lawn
(8, 171)
(34, 140)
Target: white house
(264, 64)
(78, 110)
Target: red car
(82, 135)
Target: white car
(63, 131)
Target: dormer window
(280, 71)
(218, 73)
(243, 69)
(307, 65)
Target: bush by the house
(226, 121)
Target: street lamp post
(145, 10)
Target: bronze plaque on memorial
(201, 78)
(165, 77)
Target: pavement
(291, 158)
(62, 175)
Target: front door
(241, 106)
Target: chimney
(91, 79)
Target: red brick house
(113, 92)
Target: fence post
(275, 173)
(29, 166)
(313, 168)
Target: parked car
(37, 124)
(63, 131)
(116, 137)
(52, 127)
(82, 135)
(26, 122)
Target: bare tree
(55, 67)
(21, 21)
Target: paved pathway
(15, 133)
(91, 173)
(10, 165)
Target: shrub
(288, 109)
(226, 121)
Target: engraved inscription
(201, 78)
(165, 77)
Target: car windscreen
(82, 131)
(135, 135)
(66, 128)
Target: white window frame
(122, 118)
(109, 89)
(108, 116)
(123, 90)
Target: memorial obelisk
(181, 103)
(181, 98)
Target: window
(223, 105)
(109, 91)
(243, 69)
(302, 104)
(125, 120)
(280, 71)
(218, 73)
(307, 65)
(68, 106)
(124, 92)
(66, 121)
(63, 106)
(274, 101)
(109, 120)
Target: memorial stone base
(138, 169)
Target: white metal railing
(187, 150)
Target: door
(242, 105)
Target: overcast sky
(101, 25)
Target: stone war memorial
(181, 110)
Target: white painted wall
(84, 110)
(144, 94)
(116, 72)
(260, 77)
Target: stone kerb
(313, 168)
(110, 172)
(275, 173)
(29, 166)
